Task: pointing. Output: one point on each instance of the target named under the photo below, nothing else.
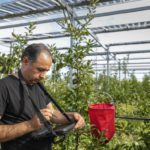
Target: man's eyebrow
(42, 69)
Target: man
(18, 117)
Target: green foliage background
(78, 88)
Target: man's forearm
(9, 132)
(59, 118)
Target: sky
(4, 1)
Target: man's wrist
(32, 126)
(29, 125)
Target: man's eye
(40, 70)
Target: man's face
(35, 71)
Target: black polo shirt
(15, 109)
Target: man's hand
(35, 121)
(47, 113)
(80, 121)
(58, 118)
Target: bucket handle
(112, 100)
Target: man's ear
(25, 60)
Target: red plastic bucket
(102, 119)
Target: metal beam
(129, 43)
(129, 63)
(120, 52)
(146, 72)
(122, 27)
(115, 44)
(37, 37)
(137, 58)
(129, 69)
(52, 35)
(61, 34)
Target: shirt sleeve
(3, 96)
(47, 99)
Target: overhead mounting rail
(129, 63)
(129, 69)
(120, 52)
(62, 34)
(122, 27)
(137, 58)
(39, 36)
(96, 30)
(139, 72)
(130, 43)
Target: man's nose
(42, 75)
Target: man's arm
(9, 132)
(59, 118)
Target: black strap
(40, 115)
(26, 91)
(55, 103)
